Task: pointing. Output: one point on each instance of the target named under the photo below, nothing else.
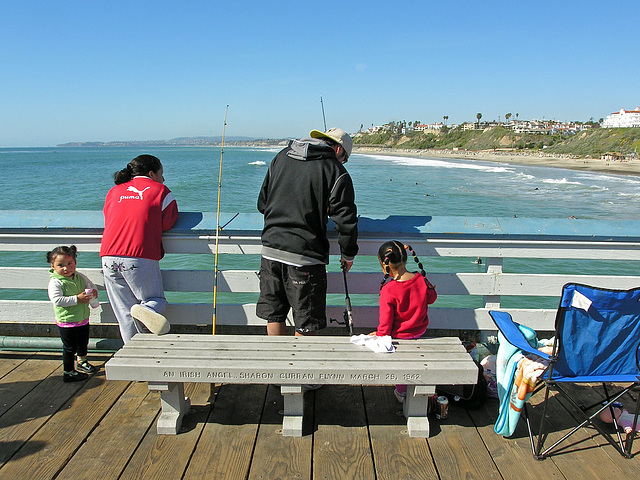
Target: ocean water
(79, 178)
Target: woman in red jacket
(136, 212)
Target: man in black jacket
(305, 185)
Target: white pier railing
(525, 262)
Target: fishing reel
(347, 321)
(344, 321)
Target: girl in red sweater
(405, 299)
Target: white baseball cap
(337, 135)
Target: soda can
(442, 407)
(433, 400)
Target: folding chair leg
(630, 436)
(541, 435)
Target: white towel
(375, 343)
(580, 301)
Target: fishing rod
(215, 263)
(347, 315)
(323, 119)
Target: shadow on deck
(107, 430)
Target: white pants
(130, 281)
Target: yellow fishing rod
(215, 263)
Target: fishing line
(232, 219)
(215, 265)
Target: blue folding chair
(597, 340)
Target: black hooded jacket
(304, 186)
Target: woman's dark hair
(139, 166)
(71, 251)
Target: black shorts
(301, 289)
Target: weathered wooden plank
(23, 377)
(118, 433)
(395, 454)
(225, 446)
(246, 245)
(458, 449)
(195, 350)
(231, 342)
(20, 422)
(53, 445)
(183, 359)
(247, 281)
(276, 456)
(302, 340)
(512, 455)
(580, 457)
(9, 361)
(341, 441)
(622, 467)
(167, 456)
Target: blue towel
(506, 366)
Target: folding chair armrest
(512, 333)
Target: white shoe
(155, 322)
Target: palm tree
(445, 118)
(478, 116)
(507, 117)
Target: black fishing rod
(347, 315)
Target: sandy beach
(546, 160)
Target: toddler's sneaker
(85, 367)
(400, 396)
(74, 376)
(155, 322)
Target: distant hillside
(591, 143)
(180, 141)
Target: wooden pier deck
(104, 430)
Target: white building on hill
(623, 119)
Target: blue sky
(145, 70)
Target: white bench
(167, 362)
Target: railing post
(494, 268)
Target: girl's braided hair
(395, 253)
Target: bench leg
(293, 410)
(415, 409)
(174, 406)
